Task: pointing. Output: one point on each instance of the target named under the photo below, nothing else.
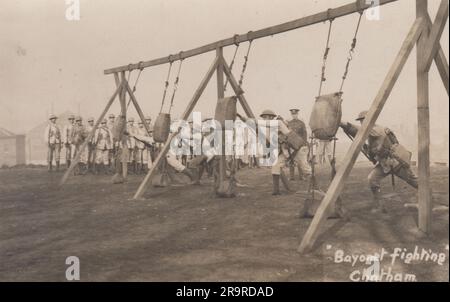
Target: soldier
(67, 140)
(379, 149)
(140, 148)
(286, 154)
(113, 150)
(103, 141)
(131, 145)
(79, 135)
(91, 146)
(52, 137)
(299, 127)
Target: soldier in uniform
(79, 135)
(131, 145)
(299, 127)
(103, 141)
(91, 146)
(52, 137)
(113, 150)
(286, 154)
(379, 150)
(67, 140)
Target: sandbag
(326, 116)
(161, 129)
(226, 110)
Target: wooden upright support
(423, 118)
(143, 186)
(221, 95)
(337, 184)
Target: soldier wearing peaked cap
(297, 125)
(52, 137)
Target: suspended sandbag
(226, 110)
(161, 129)
(326, 116)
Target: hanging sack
(226, 110)
(161, 128)
(326, 116)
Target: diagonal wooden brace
(237, 89)
(432, 42)
(343, 172)
(90, 136)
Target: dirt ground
(185, 233)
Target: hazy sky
(47, 60)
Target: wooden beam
(423, 119)
(337, 183)
(90, 136)
(338, 12)
(143, 186)
(237, 90)
(221, 95)
(432, 43)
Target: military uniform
(299, 127)
(131, 144)
(103, 141)
(378, 149)
(52, 137)
(67, 140)
(91, 145)
(79, 135)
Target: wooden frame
(423, 32)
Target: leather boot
(276, 184)
(378, 203)
(191, 174)
(285, 181)
(50, 167)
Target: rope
(244, 67)
(325, 57)
(166, 84)
(351, 52)
(175, 84)
(236, 42)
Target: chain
(236, 42)
(166, 83)
(175, 84)
(325, 57)
(351, 52)
(244, 67)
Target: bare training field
(185, 233)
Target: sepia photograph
(207, 143)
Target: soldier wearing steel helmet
(52, 137)
(286, 152)
(382, 148)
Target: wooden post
(221, 95)
(123, 115)
(423, 118)
(337, 184)
(143, 186)
(138, 108)
(90, 136)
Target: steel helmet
(268, 112)
(52, 117)
(362, 115)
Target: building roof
(5, 133)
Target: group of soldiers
(99, 156)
